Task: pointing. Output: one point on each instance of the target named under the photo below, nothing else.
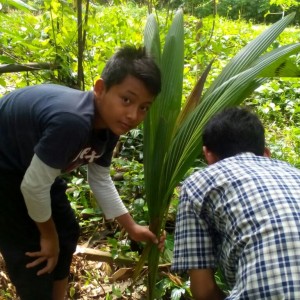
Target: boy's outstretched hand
(144, 234)
(141, 233)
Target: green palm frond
(186, 145)
(160, 122)
(252, 51)
(194, 98)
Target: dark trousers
(19, 234)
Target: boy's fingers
(34, 254)
(49, 268)
(36, 262)
(51, 263)
(152, 237)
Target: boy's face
(123, 107)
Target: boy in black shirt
(46, 130)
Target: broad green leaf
(20, 5)
(2, 82)
(6, 59)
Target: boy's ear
(267, 152)
(210, 157)
(99, 87)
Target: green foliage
(257, 11)
(172, 288)
(49, 35)
(278, 105)
(132, 179)
(285, 4)
(83, 202)
(46, 37)
(132, 145)
(18, 4)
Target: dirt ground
(88, 280)
(94, 274)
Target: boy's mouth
(125, 126)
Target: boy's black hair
(133, 61)
(233, 131)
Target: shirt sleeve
(192, 242)
(105, 191)
(36, 187)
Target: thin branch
(12, 68)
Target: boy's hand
(49, 252)
(141, 233)
(49, 248)
(144, 234)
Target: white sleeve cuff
(36, 187)
(105, 191)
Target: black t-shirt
(56, 123)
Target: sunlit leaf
(6, 59)
(20, 5)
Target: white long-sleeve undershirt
(105, 191)
(35, 188)
(39, 178)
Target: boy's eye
(126, 100)
(144, 108)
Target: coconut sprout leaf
(238, 83)
(252, 51)
(171, 149)
(152, 45)
(282, 68)
(172, 69)
(162, 116)
(159, 124)
(186, 145)
(287, 68)
(194, 98)
(273, 59)
(165, 109)
(152, 42)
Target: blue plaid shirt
(242, 214)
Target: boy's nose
(133, 114)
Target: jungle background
(68, 42)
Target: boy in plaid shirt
(241, 214)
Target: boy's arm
(35, 188)
(204, 286)
(105, 191)
(110, 202)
